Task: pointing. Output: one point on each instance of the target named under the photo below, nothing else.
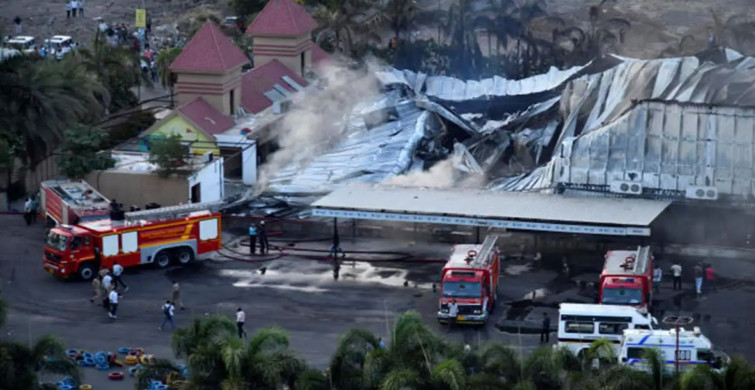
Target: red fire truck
(471, 278)
(70, 202)
(627, 278)
(157, 236)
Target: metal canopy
(506, 210)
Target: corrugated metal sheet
(454, 90)
(503, 205)
(668, 146)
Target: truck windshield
(462, 290)
(622, 296)
(56, 241)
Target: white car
(58, 40)
(24, 44)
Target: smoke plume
(318, 117)
(440, 176)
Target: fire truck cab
(157, 236)
(471, 278)
(627, 278)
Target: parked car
(22, 43)
(58, 40)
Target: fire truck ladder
(486, 251)
(171, 212)
(639, 263)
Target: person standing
(545, 332)
(68, 9)
(27, 211)
(113, 297)
(74, 7)
(17, 21)
(252, 239)
(117, 272)
(34, 209)
(177, 295)
(710, 278)
(336, 246)
(107, 282)
(676, 272)
(81, 8)
(698, 279)
(168, 315)
(240, 319)
(97, 288)
(381, 344)
(657, 277)
(262, 234)
(453, 312)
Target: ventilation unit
(626, 187)
(702, 192)
(281, 106)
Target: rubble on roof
(667, 124)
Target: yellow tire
(131, 360)
(85, 387)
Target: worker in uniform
(545, 332)
(97, 288)
(262, 234)
(176, 296)
(252, 239)
(453, 312)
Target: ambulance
(580, 324)
(694, 349)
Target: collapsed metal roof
(666, 125)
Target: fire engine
(70, 202)
(158, 236)
(471, 278)
(627, 278)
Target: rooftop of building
(209, 50)
(282, 18)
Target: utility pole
(677, 322)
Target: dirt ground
(657, 25)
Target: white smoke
(443, 174)
(318, 117)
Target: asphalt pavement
(300, 296)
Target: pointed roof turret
(209, 51)
(282, 18)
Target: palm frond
(450, 374)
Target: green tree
(339, 19)
(80, 153)
(41, 99)
(117, 68)
(398, 14)
(168, 153)
(164, 58)
(21, 367)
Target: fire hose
(397, 257)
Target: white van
(56, 40)
(694, 349)
(580, 324)
(22, 43)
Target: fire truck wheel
(162, 259)
(184, 255)
(86, 271)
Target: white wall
(248, 155)
(211, 181)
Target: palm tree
(264, 363)
(117, 68)
(41, 99)
(199, 345)
(460, 25)
(22, 366)
(164, 58)
(348, 362)
(338, 19)
(398, 14)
